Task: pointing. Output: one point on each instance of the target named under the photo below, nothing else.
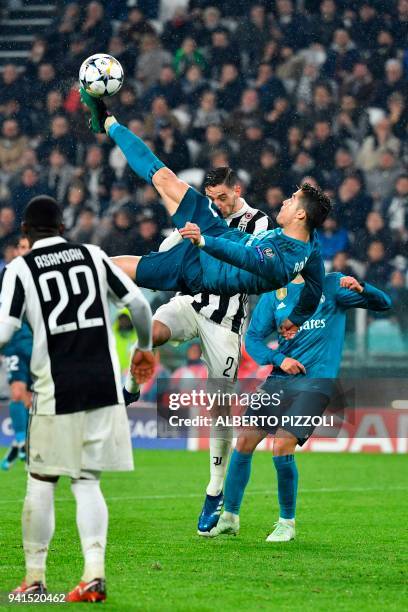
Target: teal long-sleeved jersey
(318, 344)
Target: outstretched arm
(352, 294)
(251, 259)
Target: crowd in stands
(284, 91)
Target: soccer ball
(101, 75)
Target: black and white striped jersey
(231, 312)
(63, 290)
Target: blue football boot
(210, 513)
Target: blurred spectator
(394, 82)
(171, 147)
(269, 87)
(29, 187)
(323, 26)
(151, 60)
(167, 87)
(324, 145)
(97, 176)
(206, 114)
(373, 146)
(352, 205)
(252, 34)
(269, 173)
(160, 113)
(11, 86)
(214, 142)
(250, 146)
(360, 84)
(291, 24)
(96, 27)
(148, 237)
(12, 145)
(127, 104)
(119, 198)
(45, 82)
(194, 367)
(247, 112)
(398, 293)
(221, 52)
(396, 209)
(126, 56)
(135, 27)
(378, 269)
(273, 201)
(374, 230)
(193, 85)
(341, 264)
(343, 166)
(58, 175)
(149, 207)
(86, 227)
(8, 227)
(381, 180)
(121, 237)
(332, 238)
(187, 56)
(60, 137)
(176, 30)
(367, 25)
(341, 57)
(76, 200)
(230, 87)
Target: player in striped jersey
(78, 424)
(186, 317)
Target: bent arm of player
(12, 303)
(262, 325)
(138, 155)
(124, 293)
(313, 274)
(251, 259)
(352, 294)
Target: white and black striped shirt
(63, 290)
(227, 311)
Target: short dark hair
(221, 176)
(43, 214)
(317, 205)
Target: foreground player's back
(63, 289)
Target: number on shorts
(229, 363)
(12, 363)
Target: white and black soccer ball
(101, 75)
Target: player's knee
(164, 177)
(246, 444)
(161, 333)
(284, 444)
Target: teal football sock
(139, 157)
(19, 420)
(287, 473)
(238, 474)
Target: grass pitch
(350, 552)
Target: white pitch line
(199, 495)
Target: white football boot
(283, 532)
(228, 524)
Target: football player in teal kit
(314, 353)
(17, 356)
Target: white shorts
(75, 444)
(220, 346)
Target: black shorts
(298, 412)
